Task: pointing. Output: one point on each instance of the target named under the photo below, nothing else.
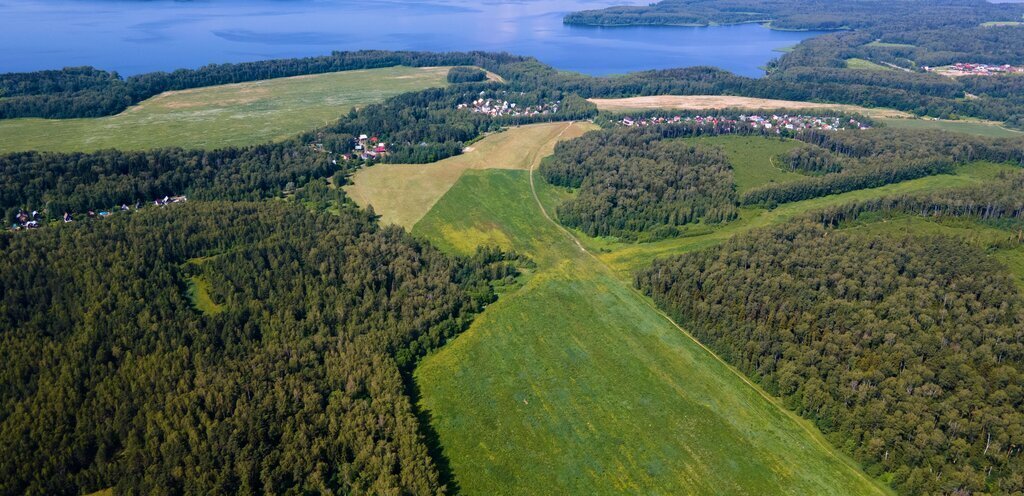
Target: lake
(141, 36)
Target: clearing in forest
(226, 115)
(754, 159)
(576, 384)
(403, 193)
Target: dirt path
(804, 424)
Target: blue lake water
(141, 36)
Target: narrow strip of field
(403, 193)
(716, 102)
(627, 258)
(226, 115)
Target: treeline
(75, 182)
(87, 92)
(877, 157)
(905, 351)
(113, 378)
(1003, 200)
(634, 184)
(875, 173)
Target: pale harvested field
(403, 193)
(714, 102)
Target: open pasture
(220, 116)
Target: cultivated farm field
(402, 194)
(220, 116)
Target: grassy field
(576, 384)
(402, 194)
(856, 63)
(979, 128)
(753, 159)
(217, 116)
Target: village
(504, 108)
(777, 123)
(33, 220)
(965, 69)
(366, 148)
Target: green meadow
(856, 63)
(754, 159)
(576, 384)
(226, 115)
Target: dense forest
(906, 351)
(291, 383)
(635, 185)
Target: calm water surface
(133, 37)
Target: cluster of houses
(366, 148)
(501, 108)
(964, 69)
(33, 220)
(777, 123)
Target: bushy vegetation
(635, 184)
(906, 350)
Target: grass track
(402, 194)
(226, 115)
(575, 384)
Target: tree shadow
(430, 437)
